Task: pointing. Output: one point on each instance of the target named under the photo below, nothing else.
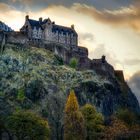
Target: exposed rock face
(37, 74)
(107, 98)
(100, 66)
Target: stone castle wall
(119, 74)
(57, 37)
(16, 37)
(102, 67)
(84, 63)
(13, 37)
(80, 53)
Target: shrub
(73, 63)
(116, 128)
(93, 120)
(21, 95)
(58, 60)
(35, 90)
(127, 116)
(28, 126)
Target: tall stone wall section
(17, 38)
(120, 76)
(102, 68)
(81, 54)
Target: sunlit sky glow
(109, 27)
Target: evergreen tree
(73, 121)
(93, 121)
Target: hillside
(36, 79)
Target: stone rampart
(16, 37)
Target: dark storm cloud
(114, 12)
(39, 4)
(125, 16)
(134, 84)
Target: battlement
(102, 67)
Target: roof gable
(63, 29)
(55, 28)
(34, 23)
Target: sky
(109, 27)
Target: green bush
(28, 126)
(73, 63)
(58, 60)
(94, 122)
(127, 116)
(21, 95)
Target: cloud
(134, 83)
(101, 50)
(132, 62)
(10, 16)
(86, 36)
(40, 4)
(4, 7)
(124, 16)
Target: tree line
(83, 123)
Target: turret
(103, 59)
(72, 26)
(26, 17)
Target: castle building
(46, 30)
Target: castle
(46, 30)
(63, 41)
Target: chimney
(27, 17)
(72, 26)
(40, 19)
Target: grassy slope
(21, 65)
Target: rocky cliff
(36, 79)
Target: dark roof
(34, 23)
(63, 29)
(37, 24)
